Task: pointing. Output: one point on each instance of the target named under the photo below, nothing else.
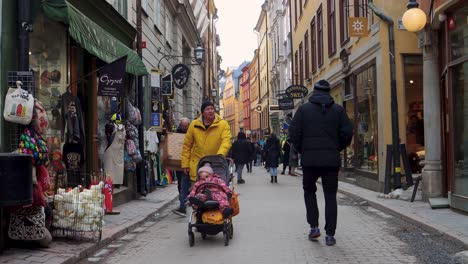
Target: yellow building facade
(230, 103)
(358, 69)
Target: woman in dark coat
(272, 153)
(286, 149)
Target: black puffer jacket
(241, 151)
(272, 151)
(319, 130)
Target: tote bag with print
(19, 106)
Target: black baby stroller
(222, 167)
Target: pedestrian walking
(319, 130)
(183, 180)
(272, 154)
(258, 152)
(209, 134)
(253, 156)
(286, 148)
(241, 153)
(293, 161)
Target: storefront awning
(91, 36)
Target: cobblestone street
(271, 228)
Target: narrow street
(271, 228)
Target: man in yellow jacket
(209, 134)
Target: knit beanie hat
(205, 105)
(206, 168)
(322, 85)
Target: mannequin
(114, 154)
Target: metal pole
(394, 98)
(141, 172)
(24, 27)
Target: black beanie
(205, 105)
(322, 85)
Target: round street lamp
(414, 19)
(199, 54)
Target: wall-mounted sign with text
(111, 78)
(297, 91)
(286, 103)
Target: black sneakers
(241, 181)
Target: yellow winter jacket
(200, 142)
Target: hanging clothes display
(114, 155)
(72, 119)
(73, 157)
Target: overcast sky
(237, 19)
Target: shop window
(48, 61)
(366, 134)
(458, 34)
(460, 127)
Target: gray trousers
(239, 169)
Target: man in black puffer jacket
(319, 130)
(241, 151)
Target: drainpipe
(24, 27)
(394, 99)
(140, 102)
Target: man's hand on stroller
(186, 171)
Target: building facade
(264, 61)
(280, 49)
(245, 91)
(230, 103)
(253, 98)
(445, 70)
(358, 69)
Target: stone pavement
(132, 215)
(446, 222)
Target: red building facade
(245, 90)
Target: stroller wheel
(226, 238)
(191, 237)
(203, 236)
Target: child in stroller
(210, 187)
(214, 203)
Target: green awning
(92, 37)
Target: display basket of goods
(172, 150)
(78, 213)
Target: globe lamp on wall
(414, 19)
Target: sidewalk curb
(88, 252)
(426, 227)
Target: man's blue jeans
(185, 186)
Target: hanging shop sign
(180, 75)
(297, 91)
(357, 26)
(166, 85)
(111, 78)
(286, 103)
